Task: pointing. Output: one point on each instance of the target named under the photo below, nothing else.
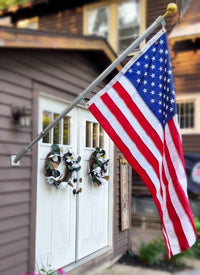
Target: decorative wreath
(53, 159)
(98, 166)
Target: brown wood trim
(21, 39)
(130, 208)
(184, 38)
(124, 193)
(33, 180)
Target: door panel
(92, 208)
(56, 209)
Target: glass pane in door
(46, 121)
(56, 131)
(66, 130)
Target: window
(119, 22)
(98, 22)
(6, 21)
(94, 135)
(128, 23)
(187, 110)
(60, 134)
(31, 23)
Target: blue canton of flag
(152, 77)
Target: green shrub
(151, 253)
(196, 247)
(155, 253)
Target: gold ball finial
(171, 8)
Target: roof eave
(192, 37)
(16, 38)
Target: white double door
(70, 227)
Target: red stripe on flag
(174, 217)
(131, 132)
(177, 186)
(139, 115)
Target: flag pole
(171, 8)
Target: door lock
(76, 192)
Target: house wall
(186, 69)
(23, 74)
(191, 143)
(67, 21)
(156, 8)
(186, 66)
(71, 21)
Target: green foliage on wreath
(53, 159)
(98, 166)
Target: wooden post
(124, 193)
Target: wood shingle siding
(69, 21)
(156, 8)
(186, 68)
(191, 143)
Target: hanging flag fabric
(138, 111)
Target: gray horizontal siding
(15, 89)
(23, 74)
(14, 210)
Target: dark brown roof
(189, 26)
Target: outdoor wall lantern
(21, 116)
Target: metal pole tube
(160, 20)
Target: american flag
(138, 111)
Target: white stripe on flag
(175, 158)
(169, 227)
(183, 217)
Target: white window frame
(113, 19)
(195, 98)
